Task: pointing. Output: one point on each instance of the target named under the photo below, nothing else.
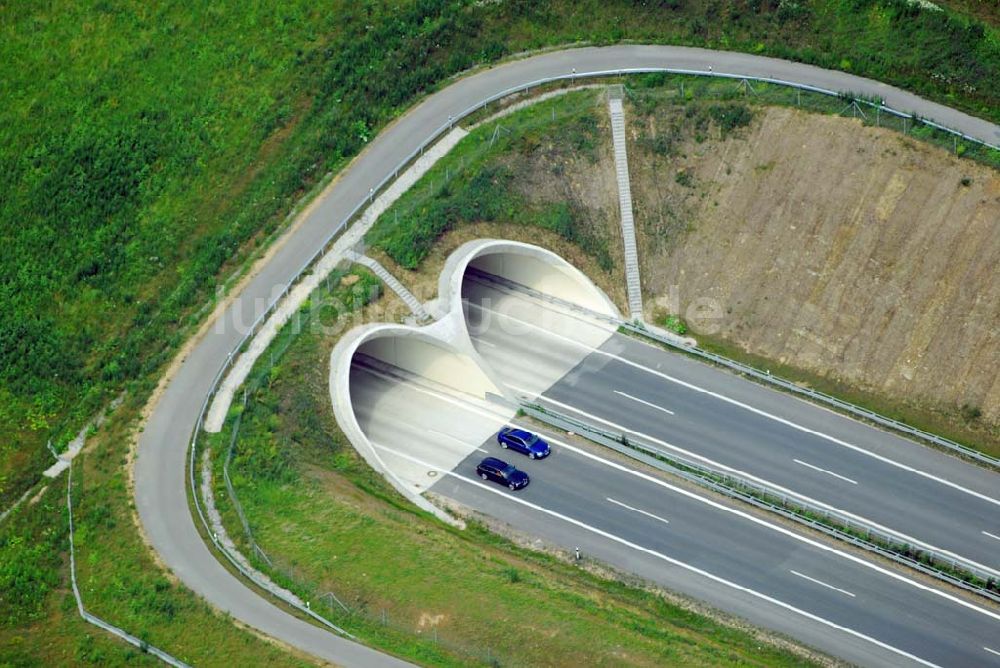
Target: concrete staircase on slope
(632, 282)
(416, 308)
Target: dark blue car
(524, 442)
(500, 471)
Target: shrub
(675, 325)
(971, 413)
(730, 116)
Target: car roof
(493, 461)
(520, 432)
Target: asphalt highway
(159, 474)
(746, 564)
(694, 409)
(762, 572)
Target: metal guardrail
(248, 574)
(391, 176)
(745, 369)
(94, 619)
(831, 523)
(818, 396)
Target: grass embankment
(506, 176)
(414, 586)
(487, 177)
(118, 579)
(147, 152)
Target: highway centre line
(762, 481)
(816, 468)
(638, 510)
(466, 405)
(992, 651)
(757, 411)
(714, 504)
(780, 529)
(643, 401)
(663, 557)
(987, 533)
(820, 582)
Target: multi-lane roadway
(160, 481)
(928, 498)
(750, 565)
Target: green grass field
(148, 151)
(145, 152)
(414, 586)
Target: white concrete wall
(432, 360)
(343, 411)
(541, 274)
(525, 263)
(443, 353)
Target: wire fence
(659, 87)
(143, 645)
(353, 615)
(483, 106)
(956, 571)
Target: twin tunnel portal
(518, 324)
(416, 402)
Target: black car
(500, 471)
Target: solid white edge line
(637, 510)
(816, 468)
(991, 535)
(763, 413)
(780, 529)
(992, 651)
(909, 539)
(820, 582)
(740, 513)
(670, 560)
(643, 401)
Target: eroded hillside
(850, 252)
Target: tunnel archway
(418, 402)
(413, 404)
(516, 299)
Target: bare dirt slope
(847, 251)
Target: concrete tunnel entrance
(420, 402)
(423, 406)
(532, 316)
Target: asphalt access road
(763, 572)
(160, 480)
(628, 385)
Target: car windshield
(531, 440)
(509, 471)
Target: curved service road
(160, 469)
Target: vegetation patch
(341, 538)
(147, 151)
(488, 177)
